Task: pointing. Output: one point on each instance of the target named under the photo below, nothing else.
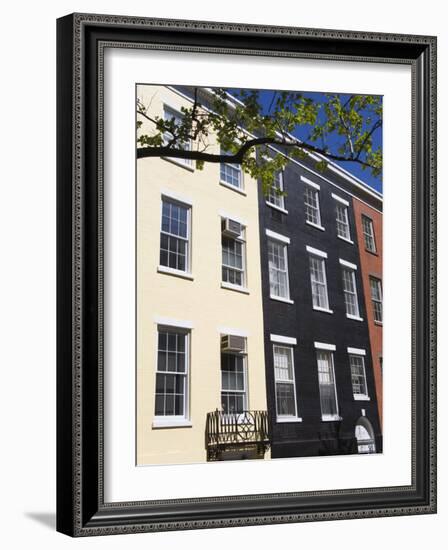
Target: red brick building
(369, 229)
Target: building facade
(369, 230)
(253, 319)
(321, 387)
(199, 312)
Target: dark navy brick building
(320, 385)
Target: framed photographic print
(246, 275)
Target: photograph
(259, 274)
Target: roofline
(341, 172)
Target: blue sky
(376, 183)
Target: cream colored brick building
(187, 301)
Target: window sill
(346, 240)
(315, 225)
(328, 418)
(175, 272)
(378, 323)
(288, 419)
(165, 423)
(233, 188)
(275, 207)
(323, 309)
(361, 397)
(177, 162)
(372, 252)
(280, 299)
(354, 317)
(236, 288)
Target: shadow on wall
(47, 519)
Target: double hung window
(175, 235)
(285, 392)
(172, 373)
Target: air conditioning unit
(231, 228)
(233, 343)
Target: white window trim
(344, 239)
(170, 270)
(356, 351)
(362, 353)
(174, 421)
(231, 286)
(233, 332)
(175, 272)
(329, 417)
(310, 183)
(340, 199)
(178, 162)
(315, 225)
(323, 309)
(354, 317)
(176, 323)
(316, 252)
(280, 299)
(323, 346)
(287, 418)
(275, 207)
(237, 288)
(241, 191)
(288, 340)
(245, 393)
(277, 236)
(348, 264)
(229, 185)
(165, 422)
(175, 196)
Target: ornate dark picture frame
(81, 509)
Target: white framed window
(318, 279)
(377, 299)
(312, 208)
(358, 374)
(278, 269)
(233, 258)
(233, 383)
(230, 174)
(327, 385)
(369, 234)
(342, 223)
(275, 196)
(350, 293)
(171, 392)
(171, 114)
(285, 387)
(175, 235)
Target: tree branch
(237, 158)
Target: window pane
(174, 236)
(230, 173)
(311, 200)
(284, 381)
(342, 226)
(274, 197)
(278, 276)
(377, 299)
(358, 375)
(350, 294)
(171, 373)
(285, 399)
(327, 385)
(233, 390)
(318, 282)
(369, 238)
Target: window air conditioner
(231, 228)
(233, 343)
